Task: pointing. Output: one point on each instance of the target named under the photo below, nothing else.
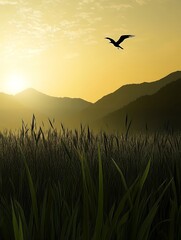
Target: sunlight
(15, 83)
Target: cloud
(30, 34)
(29, 25)
(142, 2)
(36, 26)
(6, 2)
(118, 6)
(89, 4)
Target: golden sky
(58, 46)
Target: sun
(15, 83)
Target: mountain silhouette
(12, 113)
(22, 106)
(123, 96)
(156, 111)
(56, 107)
(146, 103)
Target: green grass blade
(32, 191)
(99, 220)
(15, 223)
(85, 219)
(43, 215)
(23, 219)
(124, 182)
(33, 195)
(20, 230)
(145, 227)
(144, 176)
(144, 230)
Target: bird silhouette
(121, 39)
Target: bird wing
(111, 40)
(121, 39)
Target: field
(83, 185)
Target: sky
(58, 47)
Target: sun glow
(15, 83)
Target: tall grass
(80, 185)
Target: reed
(80, 185)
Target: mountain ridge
(123, 95)
(35, 91)
(154, 110)
(75, 111)
(50, 105)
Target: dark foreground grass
(79, 185)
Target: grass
(81, 185)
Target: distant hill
(51, 106)
(12, 113)
(22, 106)
(123, 96)
(156, 110)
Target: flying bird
(121, 39)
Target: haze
(59, 47)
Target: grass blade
(99, 220)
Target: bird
(121, 39)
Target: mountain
(150, 103)
(12, 112)
(22, 106)
(53, 107)
(123, 96)
(155, 111)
